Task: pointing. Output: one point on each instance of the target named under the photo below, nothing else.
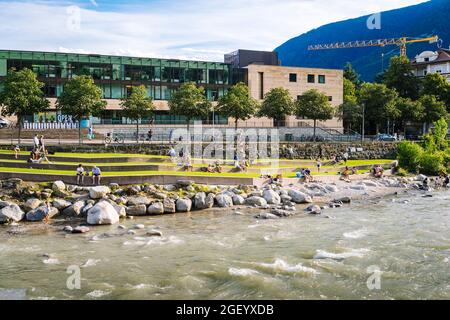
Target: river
(223, 255)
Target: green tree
(434, 109)
(237, 103)
(437, 85)
(22, 95)
(379, 104)
(81, 98)
(400, 76)
(277, 104)
(189, 101)
(314, 105)
(351, 115)
(351, 74)
(137, 105)
(410, 111)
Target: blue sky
(195, 29)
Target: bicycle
(114, 138)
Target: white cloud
(198, 29)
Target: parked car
(4, 123)
(386, 137)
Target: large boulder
(42, 213)
(313, 209)
(139, 210)
(121, 210)
(99, 192)
(224, 200)
(61, 204)
(271, 196)
(102, 213)
(136, 201)
(11, 213)
(299, 197)
(86, 208)
(155, 208)
(200, 201)
(169, 205)
(256, 201)
(58, 186)
(238, 200)
(184, 205)
(31, 204)
(75, 209)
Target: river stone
(11, 213)
(313, 209)
(185, 183)
(85, 209)
(421, 177)
(75, 209)
(80, 229)
(155, 208)
(136, 201)
(114, 186)
(61, 204)
(224, 200)
(343, 200)
(68, 229)
(159, 195)
(41, 213)
(266, 215)
(121, 210)
(282, 213)
(238, 200)
(31, 204)
(139, 210)
(255, 200)
(299, 197)
(200, 201)
(285, 198)
(154, 233)
(271, 197)
(360, 187)
(184, 205)
(331, 188)
(102, 213)
(256, 193)
(170, 187)
(139, 226)
(58, 186)
(169, 205)
(99, 192)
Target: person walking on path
(36, 142)
(319, 165)
(96, 173)
(41, 144)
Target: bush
(409, 155)
(402, 172)
(432, 163)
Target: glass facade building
(116, 76)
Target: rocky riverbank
(23, 202)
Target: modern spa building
(116, 76)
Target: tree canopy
(400, 76)
(277, 104)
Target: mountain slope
(429, 18)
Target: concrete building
(432, 62)
(116, 76)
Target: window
(330, 98)
(311, 78)
(261, 85)
(321, 78)
(292, 77)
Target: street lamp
(363, 122)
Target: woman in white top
(80, 174)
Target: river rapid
(400, 245)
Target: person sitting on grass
(217, 167)
(96, 173)
(345, 175)
(301, 175)
(16, 151)
(278, 180)
(34, 158)
(354, 170)
(187, 163)
(378, 171)
(172, 154)
(80, 174)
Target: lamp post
(363, 122)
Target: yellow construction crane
(401, 42)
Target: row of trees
(396, 98)
(81, 98)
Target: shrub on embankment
(431, 157)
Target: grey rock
(46, 195)
(121, 210)
(159, 195)
(185, 183)
(200, 201)
(114, 186)
(266, 216)
(58, 186)
(75, 209)
(139, 210)
(299, 197)
(81, 229)
(331, 188)
(170, 187)
(136, 201)
(313, 209)
(256, 201)
(61, 204)
(31, 204)
(131, 232)
(271, 196)
(224, 200)
(102, 213)
(343, 200)
(5, 204)
(282, 213)
(71, 188)
(139, 226)
(238, 200)
(11, 213)
(169, 205)
(68, 229)
(184, 205)
(99, 192)
(154, 233)
(85, 209)
(155, 208)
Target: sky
(189, 29)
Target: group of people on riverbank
(81, 173)
(39, 152)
